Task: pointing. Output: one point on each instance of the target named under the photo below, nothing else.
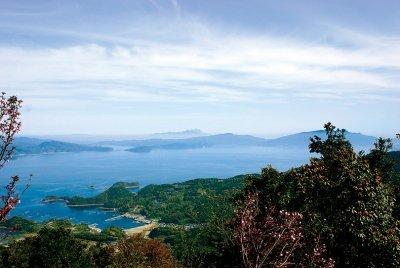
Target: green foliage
(101, 255)
(133, 184)
(52, 247)
(115, 232)
(59, 223)
(348, 202)
(140, 252)
(112, 197)
(346, 199)
(21, 225)
(381, 161)
(190, 202)
(396, 156)
(207, 245)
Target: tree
(205, 245)
(52, 247)
(9, 125)
(140, 252)
(344, 199)
(113, 231)
(380, 161)
(270, 240)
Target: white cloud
(208, 66)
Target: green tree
(140, 252)
(52, 247)
(345, 197)
(113, 231)
(345, 200)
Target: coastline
(137, 217)
(144, 229)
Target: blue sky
(260, 67)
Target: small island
(140, 149)
(107, 199)
(128, 185)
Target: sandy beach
(145, 229)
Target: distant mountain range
(192, 139)
(300, 140)
(90, 139)
(26, 145)
(303, 139)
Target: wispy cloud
(211, 67)
(155, 4)
(155, 55)
(176, 6)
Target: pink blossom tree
(271, 238)
(10, 125)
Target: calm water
(67, 174)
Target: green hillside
(189, 202)
(194, 201)
(112, 197)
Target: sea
(90, 173)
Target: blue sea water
(68, 174)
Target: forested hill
(26, 145)
(194, 201)
(189, 202)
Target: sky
(255, 66)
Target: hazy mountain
(303, 139)
(300, 140)
(189, 133)
(27, 141)
(204, 141)
(94, 139)
(170, 141)
(26, 145)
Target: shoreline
(144, 229)
(137, 217)
(85, 205)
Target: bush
(140, 252)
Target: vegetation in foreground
(60, 246)
(17, 228)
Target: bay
(68, 174)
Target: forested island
(25, 145)
(118, 193)
(190, 202)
